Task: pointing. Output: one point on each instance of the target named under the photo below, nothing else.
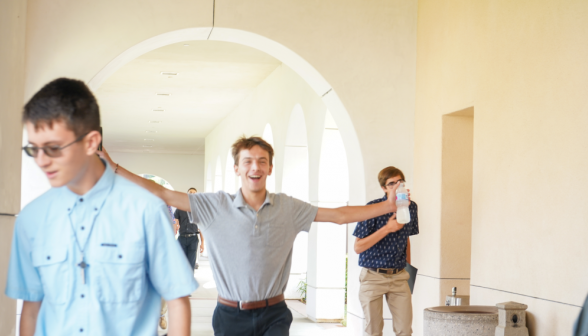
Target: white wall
(180, 170)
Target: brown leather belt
(247, 305)
(386, 270)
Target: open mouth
(51, 174)
(255, 177)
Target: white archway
(327, 242)
(209, 178)
(218, 176)
(268, 136)
(230, 177)
(290, 58)
(295, 182)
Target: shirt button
(81, 199)
(95, 209)
(120, 256)
(256, 226)
(48, 257)
(81, 329)
(82, 296)
(82, 228)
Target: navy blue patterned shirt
(390, 252)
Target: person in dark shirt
(189, 232)
(383, 246)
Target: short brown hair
(387, 173)
(248, 143)
(67, 100)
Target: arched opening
(327, 242)
(295, 182)
(209, 178)
(218, 176)
(269, 137)
(290, 58)
(230, 177)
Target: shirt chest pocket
(119, 273)
(276, 234)
(51, 263)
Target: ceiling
(213, 79)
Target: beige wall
(12, 53)
(522, 66)
(180, 170)
(369, 60)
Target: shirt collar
(96, 196)
(239, 201)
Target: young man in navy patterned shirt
(383, 246)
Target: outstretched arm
(174, 198)
(351, 214)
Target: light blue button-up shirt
(128, 243)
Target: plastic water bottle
(402, 203)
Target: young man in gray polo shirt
(250, 237)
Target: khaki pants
(373, 286)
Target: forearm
(28, 317)
(408, 250)
(201, 238)
(363, 244)
(179, 317)
(351, 214)
(354, 214)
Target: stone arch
(289, 57)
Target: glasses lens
(31, 151)
(52, 151)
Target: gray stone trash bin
(461, 321)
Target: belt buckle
(241, 304)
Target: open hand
(103, 154)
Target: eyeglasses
(50, 151)
(391, 184)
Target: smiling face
(69, 167)
(253, 168)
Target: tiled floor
(203, 302)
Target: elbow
(357, 248)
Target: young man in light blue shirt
(95, 253)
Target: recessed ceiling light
(163, 94)
(147, 146)
(154, 121)
(150, 131)
(165, 73)
(186, 45)
(148, 139)
(158, 110)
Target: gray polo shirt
(250, 252)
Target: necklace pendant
(83, 266)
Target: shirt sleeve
(24, 281)
(177, 214)
(413, 226)
(204, 207)
(303, 214)
(364, 228)
(168, 268)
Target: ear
(270, 170)
(91, 141)
(236, 170)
